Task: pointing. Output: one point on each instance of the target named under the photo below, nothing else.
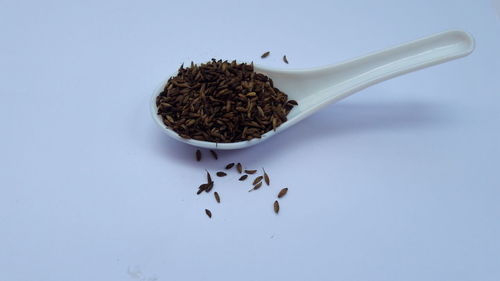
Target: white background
(398, 182)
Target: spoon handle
(333, 83)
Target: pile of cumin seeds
(222, 102)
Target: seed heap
(223, 102)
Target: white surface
(403, 185)
(315, 88)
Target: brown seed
(214, 154)
(264, 55)
(257, 186)
(282, 192)
(261, 111)
(209, 178)
(239, 168)
(203, 186)
(276, 206)
(250, 172)
(285, 60)
(266, 177)
(198, 155)
(229, 166)
(257, 179)
(209, 187)
(209, 214)
(293, 102)
(242, 178)
(217, 197)
(199, 191)
(221, 174)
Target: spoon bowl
(316, 88)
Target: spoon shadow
(343, 119)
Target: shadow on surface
(334, 121)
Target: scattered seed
(202, 187)
(250, 172)
(282, 192)
(221, 174)
(264, 55)
(255, 187)
(285, 60)
(209, 178)
(242, 178)
(239, 168)
(257, 179)
(266, 177)
(214, 154)
(209, 214)
(276, 206)
(217, 197)
(229, 166)
(209, 187)
(198, 155)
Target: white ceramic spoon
(317, 87)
